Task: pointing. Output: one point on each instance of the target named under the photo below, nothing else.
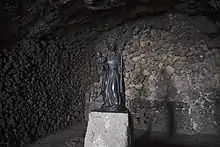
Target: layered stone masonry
(166, 68)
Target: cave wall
(43, 76)
(41, 90)
(171, 76)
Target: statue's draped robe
(113, 78)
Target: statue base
(108, 130)
(112, 109)
(104, 6)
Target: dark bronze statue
(111, 70)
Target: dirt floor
(48, 72)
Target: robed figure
(111, 67)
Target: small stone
(125, 52)
(156, 46)
(169, 60)
(146, 72)
(153, 32)
(166, 45)
(176, 58)
(134, 93)
(152, 66)
(217, 81)
(136, 37)
(129, 67)
(164, 35)
(179, 64)
(169, 70)
(139, 86)
(142, 44)
(160, 65)
(190, 53)
(136, 43)
(179, 83)
(143, 61)
(137, 68)
(142, 55)
(151, 78)
(135, 59)
(152, 85)
(164, 57)
(128, 92)
(127, 74)
(161, 58)
(204, 47)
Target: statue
(112, 91)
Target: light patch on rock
(179, 83)
(143, 61)
(143, 44)
(151, 78)
(107, 130)
(128, 92)
(195, 125)
(142, 55)
(137, 58)
(169, 70)
(160, 65)
(138, 86)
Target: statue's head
(112, 64)
(112, 47)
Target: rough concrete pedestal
(108, 130)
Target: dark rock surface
(43, 77)
(214, 43)
(42, 88)
(204, 25)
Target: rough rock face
(42, 72)
(107, 130)
(171, 76)
(42, 79)
(215, 4)
(41, 89)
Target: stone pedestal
(108, 130)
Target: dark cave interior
(47, 51)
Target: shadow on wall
(217, 114)
(172, 117)
(171, 138)
(145, 139)
(143, 142)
